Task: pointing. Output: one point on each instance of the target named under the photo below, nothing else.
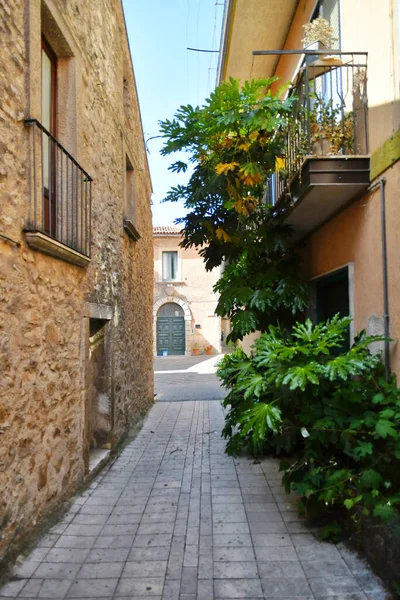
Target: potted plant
(331, 132)
(208, 349)
(195, 349)
(323, 130)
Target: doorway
(332, 297)
(171, 329)
(99, 399)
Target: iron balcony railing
(61, 199)
(329, 114)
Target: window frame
(170, 252)
(50, 193)
(45, 46)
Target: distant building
(184, 316)
(76, 252)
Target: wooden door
(171, 335)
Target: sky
(168, 75)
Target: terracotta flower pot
(195, 351)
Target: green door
(171, 329)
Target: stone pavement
(183, 378)
(174, 518)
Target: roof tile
(166, 230)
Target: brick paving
(174, 518)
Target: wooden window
(49, 121)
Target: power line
(200, 50)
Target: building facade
(340, 188)
(184, 318)
(76, 262)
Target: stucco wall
(365, 27)
(43, 300)
(195, 288)
(354, 236)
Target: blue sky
(168, 75)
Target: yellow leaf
(245, 146)
(250, 180)
(225, 167)
(222, 235)
(279, 164)
(240, 207)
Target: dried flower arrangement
(319, 30)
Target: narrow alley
(175, 518)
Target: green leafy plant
(233, 142)
(262, 285)
(322, 130)
(331, 412)
(331, 132)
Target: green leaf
(363, 449)
(385, 511)
(384, 428)
(350, 502)
(300, 376)
(371, 479)
(259, 420)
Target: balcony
(325, 163)
(59, 221)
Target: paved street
(174, 518)
(183, 378)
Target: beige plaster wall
(354, 236)
(366, 26)
(194, 287)
(43, 300)
(372, 26)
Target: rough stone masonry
(47, 305)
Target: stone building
(184, 302)
(76, 251)
(340, 178)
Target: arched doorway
(171, 329)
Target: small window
(169, 266)
(130, 192)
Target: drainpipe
(385, 278)
(381, 184)
(224, 39)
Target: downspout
(385, 279)
(224, 40)
(385, 285)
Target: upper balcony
(59, 222)
(325, 163)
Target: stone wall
(43, 300)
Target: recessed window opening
(49, 122)
(130, 191)
(169, 266)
